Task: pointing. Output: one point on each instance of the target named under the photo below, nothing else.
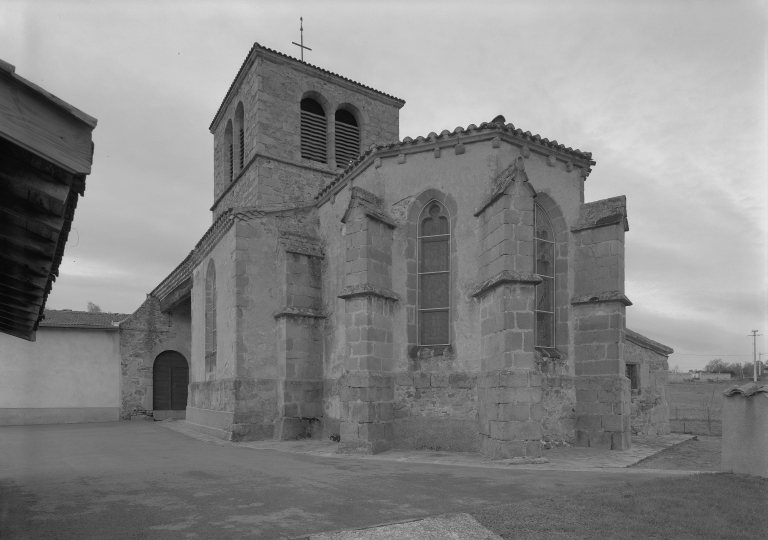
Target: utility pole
(754, 350)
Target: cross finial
(301, 27)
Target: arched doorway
(170, 379)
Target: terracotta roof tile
(499, 126)
(65, 318)
(747, 390)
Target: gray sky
(668, 96)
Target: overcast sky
(668, 96)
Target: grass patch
(702, 506)
(700, 454)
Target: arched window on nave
(544, 242)
(434, 275)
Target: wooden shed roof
(46, 152)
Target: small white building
(70, 374)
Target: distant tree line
(737, 370)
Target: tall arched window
(347, 138)
(434, 275)
(313, 130)
(229, 149)
(240, 132)
(210, 317)
(544, 240)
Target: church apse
(448, 292)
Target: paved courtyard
(141, 480)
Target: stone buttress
(299, 351)
(603, 408)
(367, 385)
(509, 385)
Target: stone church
(449, 292)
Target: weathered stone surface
(649, 406)
(322, 301)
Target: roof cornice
(280, 58)
(447, 139)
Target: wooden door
(170, 377)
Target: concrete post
(745, 430)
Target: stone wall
(443, 396)
(599, 323)
(143, 336)
(650, 409)
(436, 411)
(270, 92)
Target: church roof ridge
(256, 46)
(456, 134)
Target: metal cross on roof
(302, 39)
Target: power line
(713, 354)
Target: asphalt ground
(139, 480)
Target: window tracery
(544, 241)
(434, 275)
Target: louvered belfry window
(347, 138)
(313, 131)
(231, 162)
(242, 148)
(543, 237)
(434, 270)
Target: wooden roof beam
(31, 199)
(44, 250)
(42, 231)
(15, 278)
(10, 296)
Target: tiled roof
(446, 135)
(66, 318)
(747, 390)
(256, 46)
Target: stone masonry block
(384, 412)
(621, 441)
(589, 422)
(462, 380)
(515, 411)
(439, 380)
(404, 379)
(361, 412)
(421, 379)
(517, 378)
(348, 431)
